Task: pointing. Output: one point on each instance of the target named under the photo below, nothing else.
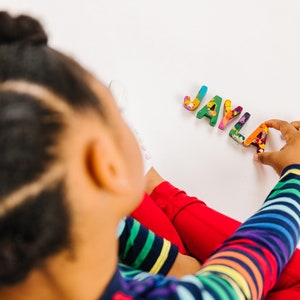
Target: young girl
(71, 171)
(181, 219)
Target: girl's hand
(289, 153)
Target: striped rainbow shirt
(142, 249)
(245, 266)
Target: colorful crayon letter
(211, 110)
(258, 138)
(235, 131)
(192, 105)
(229, 113)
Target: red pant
(197, 230)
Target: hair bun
(21, 29)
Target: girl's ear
(105, 165)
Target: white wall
(162, 50)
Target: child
(172, 214)
(183, 219)
(71, 170)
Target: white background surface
(163, 50)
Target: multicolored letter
(235, 131)
(192, 105)
(258, 138)
(211, 110)
(229, 114)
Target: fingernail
(255, 157)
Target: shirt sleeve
(142, 249)
(245, 266)
(250, 262)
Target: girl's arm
(141, 249)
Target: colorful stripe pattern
(256, 254)
(141, 249)
(245, 266)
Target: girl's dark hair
(39, 226)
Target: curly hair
(34, 217)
